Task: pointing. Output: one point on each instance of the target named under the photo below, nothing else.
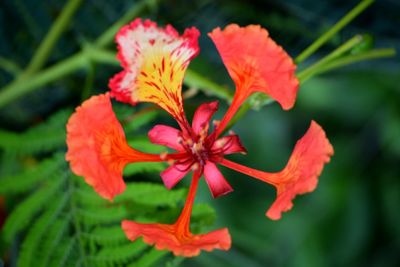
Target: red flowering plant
(154, 61)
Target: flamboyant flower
(154, 61)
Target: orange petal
(177, 237)
(154, 61)
(97, 149)
(168, 236)
(301, 173)
(255, 63)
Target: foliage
(57, 220)
(60, 221)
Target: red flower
(154, 61)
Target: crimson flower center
(197, 148)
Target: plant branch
(47, 45)
(334, 54)
(10, 66)
(333, 30)
(346, 60)
(20, 87)
(108, 36)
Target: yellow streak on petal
(160, 80)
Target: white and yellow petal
(154, 61)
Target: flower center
(197, 148)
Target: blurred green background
(353, 218)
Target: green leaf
(144, 167)
(105, 215)
(37, 231)
(107, 236)
(45, 137)
(142, 143)
(25, 181)
(23, 214)
(119, 254)
(54, 236)
(150, 258)
(151, 194)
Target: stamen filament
(268, 177)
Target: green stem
(329, 63)
(239, 114)
(372, 54)
(102, 56)
(332, 31)
(108, 36)
(335, 54)
(47, 45)
(22, 86)
(82, 60)
(89, 81)
(193, 79)
(10, 66)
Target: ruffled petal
(166, 136)
(97, 149)
(177, 237)
(215, 180)
(154, 61)
(174, 173)
(255, 63)
(166, 236)
(301, 173)
(203, 115)
(228, 145)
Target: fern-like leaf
(36, 233)
(53, 238)
(25, 212)
(150, 258)
(63, 222)
(118, 255)
(107, 236)
(142, 143)
(144, 167)
(151, 194)
(25, 180)
(42, 138)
